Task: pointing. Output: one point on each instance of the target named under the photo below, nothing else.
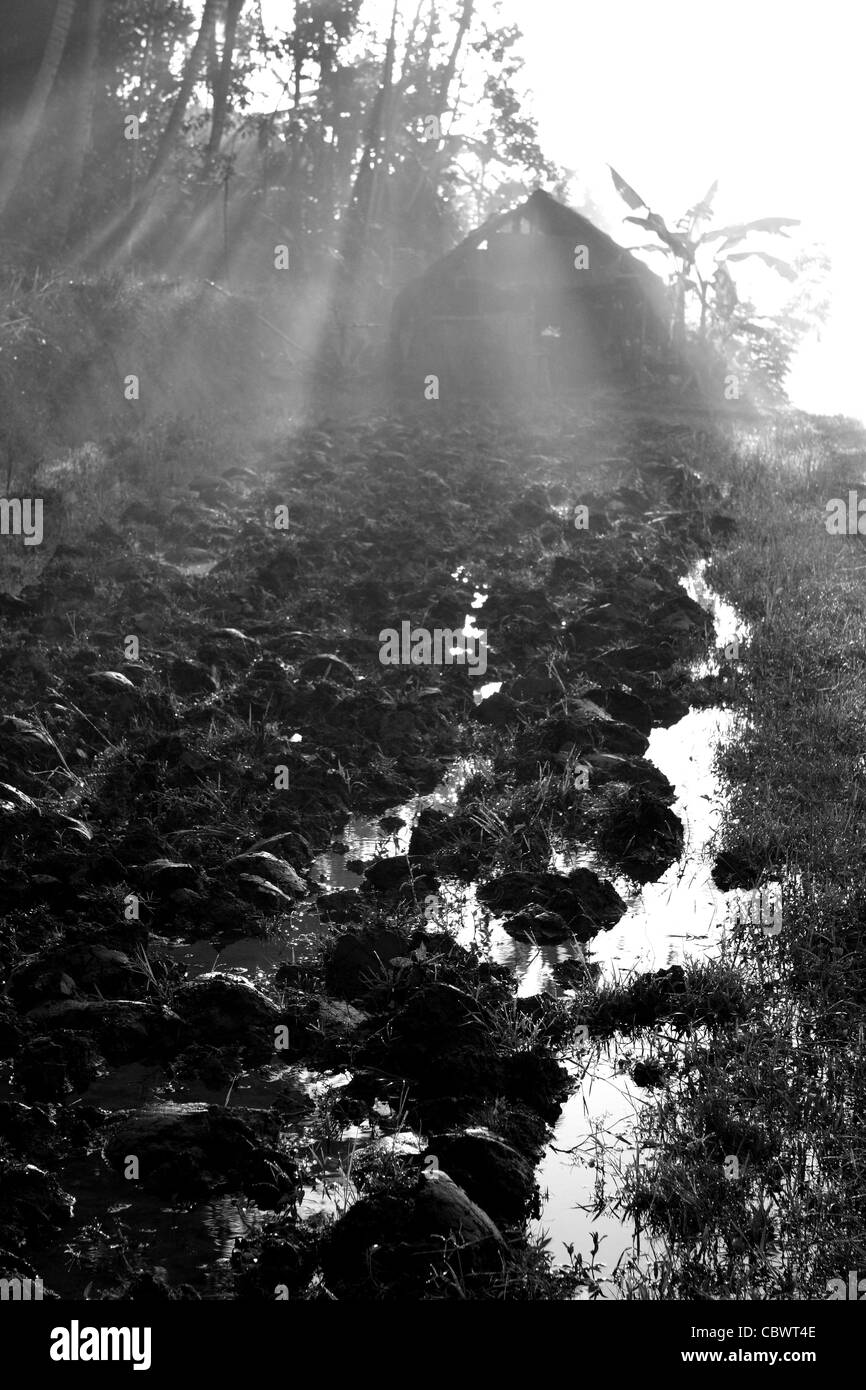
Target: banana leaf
(625, 191)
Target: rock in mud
(611, 767)
(388, 874)
(192, 1151)
(111, 693)
(490, 1171)
(167, 876)
(539, 925)
(25, 751)
(327, 666)
(283, 1255)
(124, 1030)
(74, 971)
(337, 1018)
(437, 1040)
(358, 959)
(262, 895)
(221, 1008)
(264, 865)
(441, 837)
(624, 707)
(536, 1080)
(279, 575)
(339, 906)
(32, 1202)
(444, 1209)
(586, 903)
(52, 1068)
(136, 672)
(392, 1242)
(667, 708)
(637, 829)
(498, 710)
(191, 678)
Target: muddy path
(307, 955)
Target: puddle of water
(582, 1169)
(366, 839)
(680, 916)
(291, 940)
(683, 914)
(730, 626)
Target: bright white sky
(765, 95)
(768, 96)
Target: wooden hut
(536, 298)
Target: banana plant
(690, 237)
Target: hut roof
(554, 219)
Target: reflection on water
(582, 1169)
(681, 916)
(730, 626)
(366, 839)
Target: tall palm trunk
(223, 82)
(181, 101)
(31, 120)
(441, 100)
(127, 231)
(81, 121)
(363, 191)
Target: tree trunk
(124, 232)
(28, 128)
(181, 101)
(441, 103)
(84, 92)
(451, 66)
(361, 199)
(223, 82)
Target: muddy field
(332, 977)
